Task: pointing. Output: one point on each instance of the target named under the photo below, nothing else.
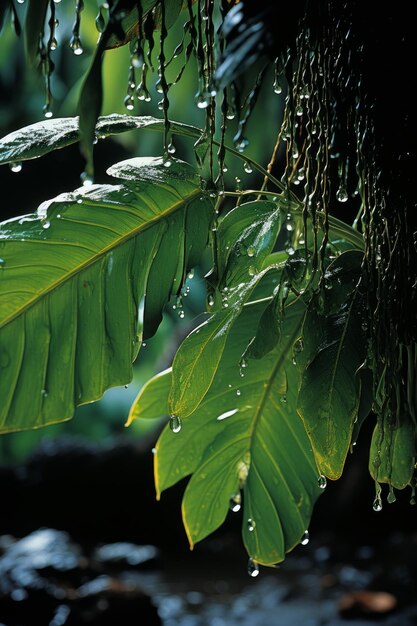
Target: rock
(46, 579)
(367, 604)
(125, 555)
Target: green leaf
(246, 236)
(197, 358)
(334, 349)
(128, 23)
(34, 26)
(43, 137)
(152, 400)
(246, 433)
(72, 277)
(392, 455)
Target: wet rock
(125, 555)
(106, 601)
(46, 579)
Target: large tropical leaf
(43, 137)
(334, 349)
(246, 434)
(248, 243)
(72, 277)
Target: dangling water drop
(253, 568)
(238, 392)
(75, 45)
(391, 496)
(202, 101)
(241, 144)
(46, 224)
(342, 194)
(235, 503)
(129, 102)
(16, 167)
(322, 481)
(100, 21)
(305, 538)
(47, 111)
(86, 179)
(175, 423)
(377, 504)
(210, 300)
(277, 87)
(251, 525)
(248, 168)
(251, 251)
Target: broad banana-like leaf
(334, 349)
(43, 137)
(72, 278)
(392, 456)
(246, 434)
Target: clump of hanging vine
(326, 156)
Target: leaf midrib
(88, 262)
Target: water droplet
(44, 393)
(277, 87)
(230, 115)
(126, 386)
(202, 101)
(248, 168)
(47, 112)
(142, 93)
(364, 326)
(301, 174)
(100, 21)
(341, 194)
(251, 251)
(129, 102)
(235, 502)
(2, 263)
(181, 314)
(252, 271)
(251, 525)
(243, 364)
(305, 538)
(377, 505)
(283, 399)
(171, 148)
(75, 45)
(167, 161)
(253, 568)
(46, 224)
(241, 144)
(175, 423)
(16, 167)
(154, 451)
(391, 496)
(86, 179)
(322, 481)
(238, 392)
(210, 300)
